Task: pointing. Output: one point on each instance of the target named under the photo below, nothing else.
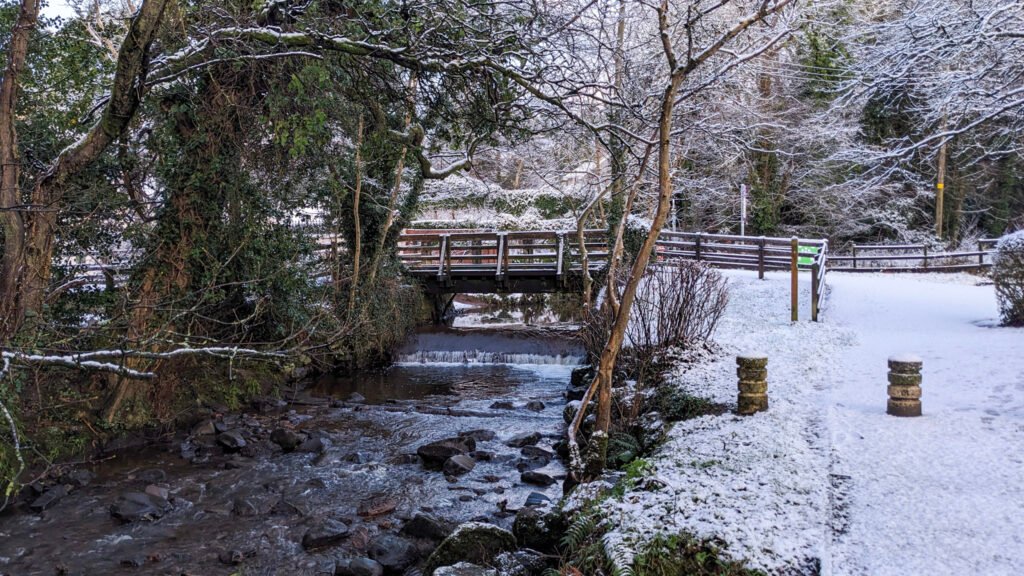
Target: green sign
(807, 255)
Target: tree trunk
(31, 259)
(12, 222)
(357, 233)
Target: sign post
(743, 209)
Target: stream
(230, 509)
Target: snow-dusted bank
(825, 480)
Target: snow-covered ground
(825, 481)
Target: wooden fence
(759, 253)
(912, 258)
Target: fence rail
(761, 253)
(912, 258)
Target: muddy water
(261, 506)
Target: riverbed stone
(78, 478)
(158, 491)
(465, 569)
(286, 438)
(537, 453)
(523, 562)
(474, 542)
(458, 465)
(503, 405)
(526, 439)
(480, 435)
(535, 406)
(136, 506)
(392, 552)
(435, 454)
(537, 528)
(536, 478)
(376, 506)
(358, 567)
(581, 376)
(311, 445)
(231, 557)
(151, 476)
(323, 533)
(49, 498)
(255, 503)
(232, 440)
(427, 527)
(482, 455)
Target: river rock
(151, 476)
(536, 478)
(426, 527)
(311, 445)
(78, 478)
(435, 454)
(526, 439)
(575, 394)
(521, 563)
(482, 455)
(474, 542)
(49, 498)
(158, 491)
(458, 465)
(255, 503)
(358, 567)
(392, 552)
(323, 533)
(376, 506)
(581, 376)
(135, 506)
(286, 438)
(537, 500)
(537, 454)
(232, 440)
(535, 406)
(231, 557)
(465, 569)
(479, 435)
(503, 405)
(356, 398)
(537, 529)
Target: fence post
(925, 246)
(697, 247)
(760, 258)
(854, 255)
(815, 273)
(794, 274)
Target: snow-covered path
(825, 481)
(944, 493)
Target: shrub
(1008, 275)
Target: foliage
(671, 555)
(1008, 275)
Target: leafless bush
(677, 304)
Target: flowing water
(261, 506)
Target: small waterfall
(484, 357)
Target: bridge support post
(794, 273)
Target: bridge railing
(448, 253)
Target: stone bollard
(753, 373)
(904, 385)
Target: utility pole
(940, 187)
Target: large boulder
(458, 465)
(474, 542)
(435, 454)
(464, 569)
(1008, 276)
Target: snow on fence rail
(912, 258)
